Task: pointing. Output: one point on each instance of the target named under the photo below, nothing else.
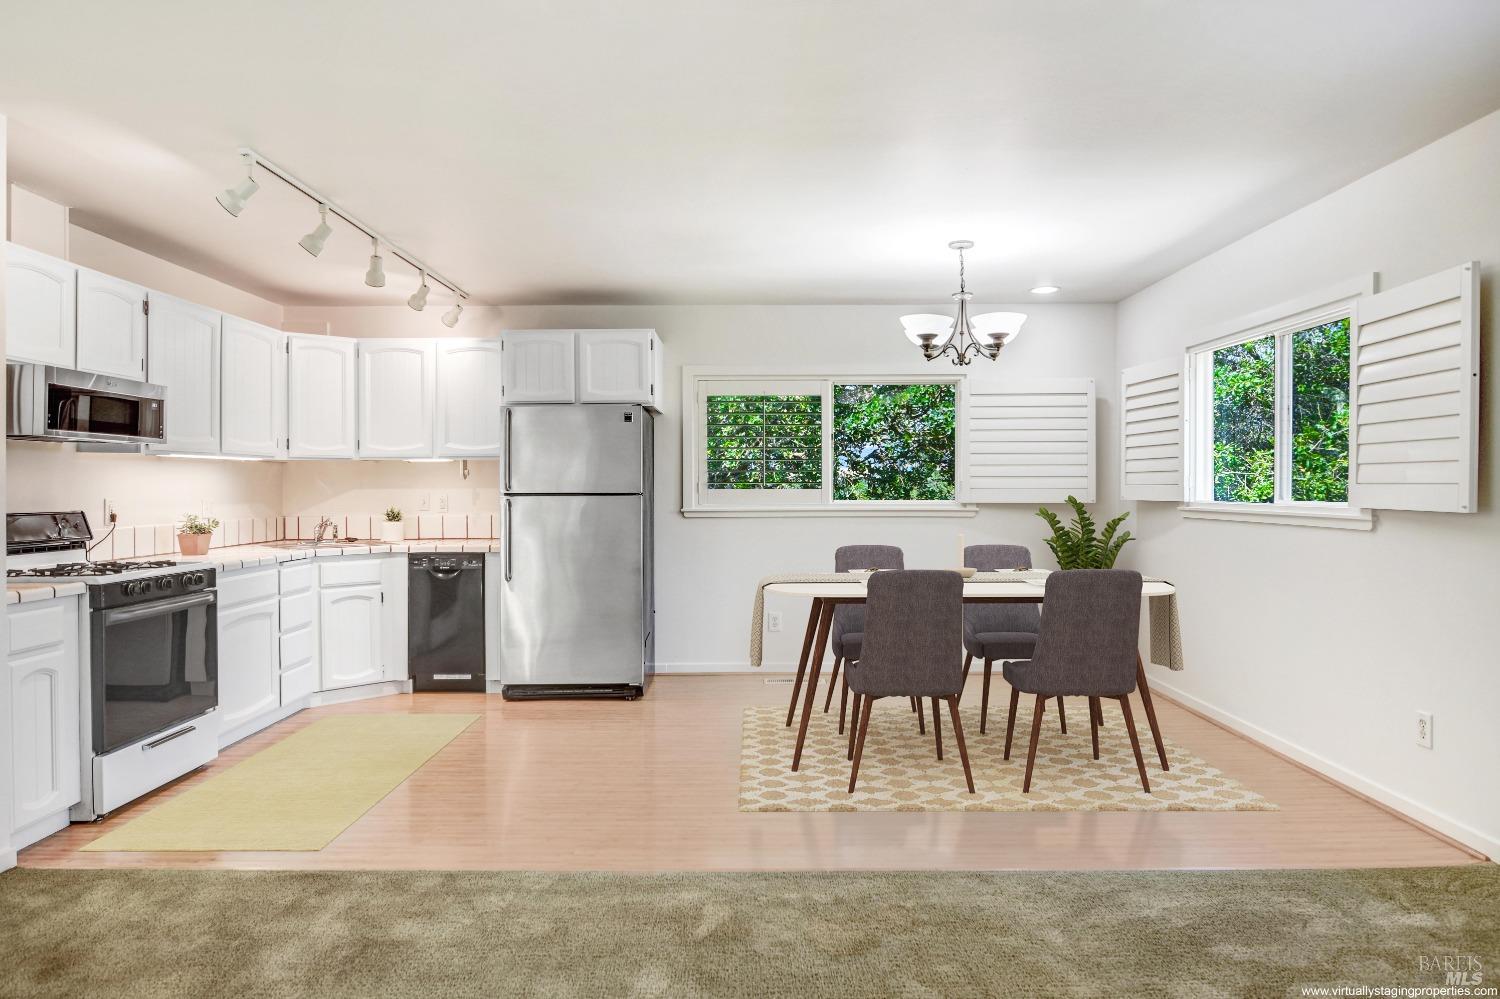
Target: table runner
(1166, 630)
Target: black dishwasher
(445, 621)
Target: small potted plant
(392, 530)
(1080, 546)
(194, 534)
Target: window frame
(764, 502)
(1283, 322)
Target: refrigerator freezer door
(573, 449)
(572, 591)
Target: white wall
(7, 855)
(143, 490)
(707, 568)
(1326, 642)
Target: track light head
(232, 199)
(418, 300)
(452, 316)
(375, 276)
(314, 241)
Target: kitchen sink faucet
(325, 525)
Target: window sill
(831, 511)
(1342, 518)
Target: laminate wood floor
(653, 785)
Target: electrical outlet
(109, 511)
(1424, 729)
(442, 502)
(773, 621)
(424, 502)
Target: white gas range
(149, 701)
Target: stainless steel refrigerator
(576, 598)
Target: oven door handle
(157, 607)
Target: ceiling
(757, 151)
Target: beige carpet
(297, 794)
(364, 935)
(900, 771)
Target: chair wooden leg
(1010, 721)
(853, 724)
(937, 728)
(843, 702)
(1140, 681)
(859, 746)
(1062, 718)
(958, 737)
(968, 661)
(1094, 723)
(1135, 744)
(984, 697)
(833, 681)
(1036, 734)
(807, 640)
(921, 716)
(914, 707)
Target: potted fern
(1081, 546)
(195, 533)
(391, 530)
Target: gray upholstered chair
(912, 633)
(1000, 632)
(1087, 648)
(847, 630)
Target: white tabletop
(1016, 588)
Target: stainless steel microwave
(45, 403)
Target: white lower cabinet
(43, 662)
(249, 647)
(299, 632)
(350, 604)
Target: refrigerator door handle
(506, 451)
(509, 539)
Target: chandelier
(964, 336)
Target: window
(1271, 416)
(821, 444)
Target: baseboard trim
(1449, 830)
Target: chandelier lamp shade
(233, 201)
(963, 336)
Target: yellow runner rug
(297, 794)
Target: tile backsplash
(136, 541)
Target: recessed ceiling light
(1045, 289)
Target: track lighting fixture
(314, 241)
(418, 300)
(375, 276)
(233, 199)
(452, 316)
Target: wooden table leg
(1140, 680)
(812, 627)
(825, 621)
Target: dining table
(827, 591)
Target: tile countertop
(250, 557)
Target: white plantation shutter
(1151, 435)
(1414, 394)
(1028, 440)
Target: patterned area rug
(901, 773)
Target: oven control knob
(164, 583)
(199, 579)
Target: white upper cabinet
(538, 366)
(182, 353)
(254, 389)
(320, 396)
(397, 379)
(619, 366)
(40, 298)
(467, 417)
(111, 326)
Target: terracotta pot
(392, 531)
(193, 544)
